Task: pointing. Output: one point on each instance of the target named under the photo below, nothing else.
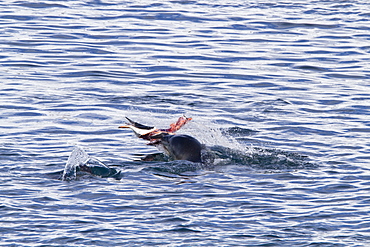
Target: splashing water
(75, 159)
(210, 134)
(223, 149)
(79, 160)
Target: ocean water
(280, 90)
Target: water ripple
(278, 89)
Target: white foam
(77, 157)
(211, 134)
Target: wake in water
(260, 159)
(213, 157)
(80, 163)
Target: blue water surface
(281, 89)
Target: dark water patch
(348, 76)
(282, 64)
(111, 74)
(184, 2)
(264, 85)
(164, 68)
(242, 236)
(331, 102)
(29, 50)
(238, 131)
(291, 25)
(28, 114)
(241, 27)
(12, 210)
(24, 64)
(274, 102)
(335, 37)
(312, 68)
(349, 53)
(360, 130)
(232, 41)
(42, 5)
(320, 51)
(183, 229)
(17, 17)
(90, 50)
(174, 219)
(63, 37)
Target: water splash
(222, 149)
(80, 161)
(210, 134)
(75, 159)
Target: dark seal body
(182, 147)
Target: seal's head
(182, 147)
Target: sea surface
(280, 90)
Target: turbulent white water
(78, 157)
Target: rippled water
(281, 87)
